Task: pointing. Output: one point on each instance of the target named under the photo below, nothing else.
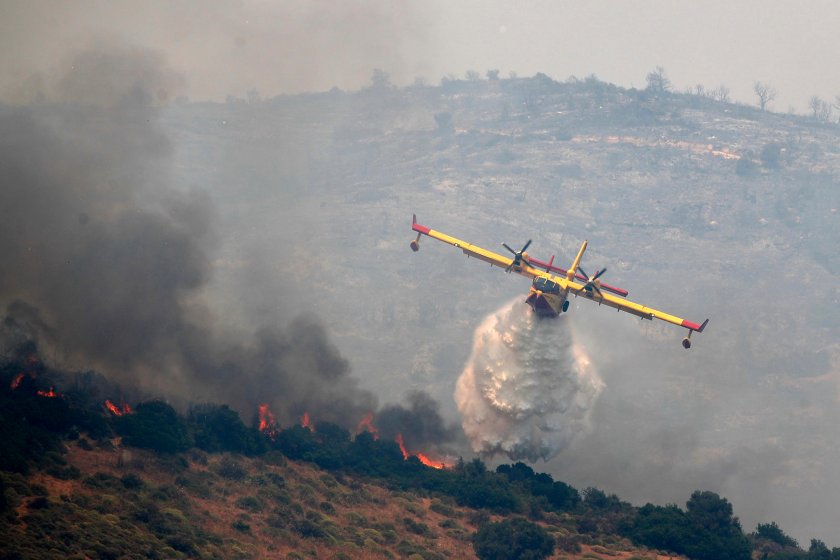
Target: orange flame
(305, 422)
(16, 381)
(268, 424)
(49, 394)
(399, 440)
(116, 410)
(366, 425)
(430, 463)
(423, 458)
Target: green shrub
(241, 526)
(327, 507)
(442, 509)
(250, 503)
(131, 481)
(417, 528)
(230, 468)
(512, 539)
(154, 425)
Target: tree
(445, 123)
(721, 94)
(771, 155)
(472, 76)
(710, 511)
(154, 425)
(515, 539)
(716, 533)
(492, 75)
(380, 80)
(773, 532)
(818, 550)
(218, 428)
(820, 110)
(707, 531)
(657, 81)
(765, 94)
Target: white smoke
(528, 387)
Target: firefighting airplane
(549, 294)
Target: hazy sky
(229, 47)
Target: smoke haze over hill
(103, 262)
(256, 249)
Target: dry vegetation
(228, 506)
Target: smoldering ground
(103, 263)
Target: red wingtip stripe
(693, 326)
(422, 229)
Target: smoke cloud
(528, 388)
(419, 422)
(104, 263)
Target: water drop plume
(528, 387)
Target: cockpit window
(546, 285)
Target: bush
(516, 539)
(774, 533)
(251, 503)
(218, 428)
(230, 468)
(155, 425)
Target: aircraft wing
(475, 251)
(631, 307)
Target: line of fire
(266, 421)
(269, 427)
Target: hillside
(130, 503)
(255, 253)
(86, 478)
(699, 207)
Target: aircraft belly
(545, 305)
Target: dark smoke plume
(419, 422)
(103, 263)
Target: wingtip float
(549, 293)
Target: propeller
(517, 256)
(591, 283)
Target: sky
(223, 48)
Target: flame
(16, 381)
(49, 394)
(305, 422)
(268, 424)
(399, 440)
(430, 463)
(423, 458)
(366, 425)
(116, 410)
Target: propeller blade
(525, 247)
(598, 274)
(597, 289)
(506, 246)
(580, 268)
